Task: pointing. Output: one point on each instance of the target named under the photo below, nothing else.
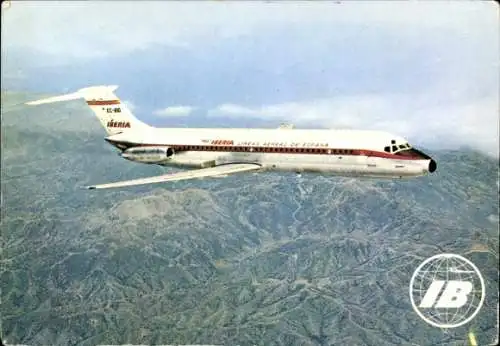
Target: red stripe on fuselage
(103, 102)
(274, 150)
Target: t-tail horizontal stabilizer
(95, 92)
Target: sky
(428, 71)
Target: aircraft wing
(217, 171)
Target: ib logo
(447, 291)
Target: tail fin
(114, 116)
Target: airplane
(219, 152)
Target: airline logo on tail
(118, 124)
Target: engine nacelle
(148, 154)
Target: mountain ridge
(268, 259)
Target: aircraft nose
(432, 166)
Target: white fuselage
(339, 152)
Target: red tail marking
(103, 102)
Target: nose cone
(432, 166)
(420, 155)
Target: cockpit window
(396, 148)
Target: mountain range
(252, 259)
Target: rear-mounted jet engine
(148, 154)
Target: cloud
(474, 123)
(174, 111)
(80, 30)
(236, 110)
(130, 105)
